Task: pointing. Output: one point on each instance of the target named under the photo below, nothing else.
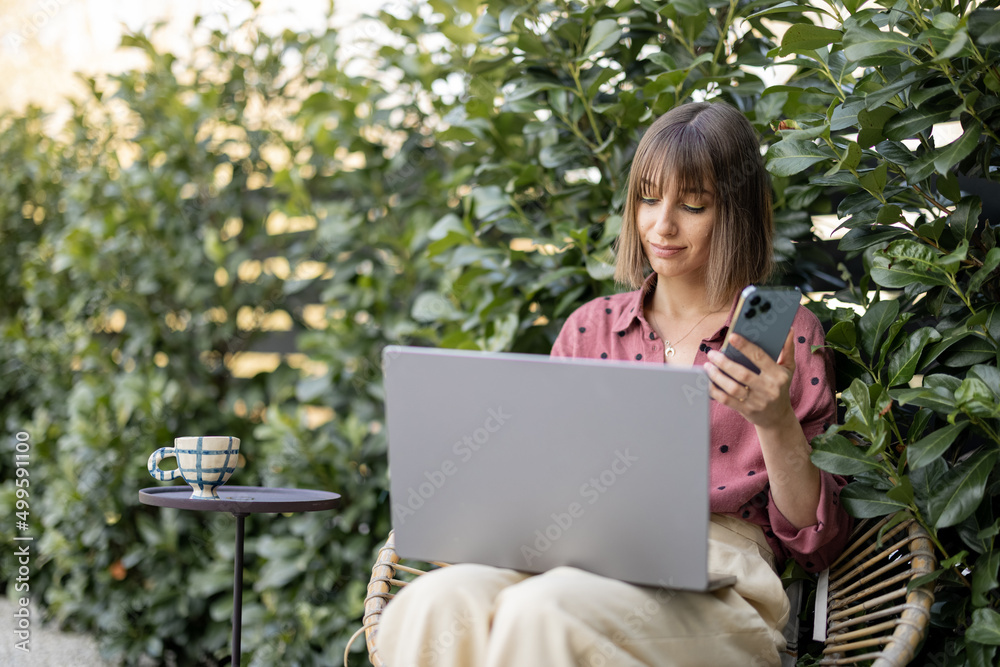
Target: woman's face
(676, 230)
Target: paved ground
(49, 647)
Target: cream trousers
(474, 615)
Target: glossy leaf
(935, 444)
(790, 157)
(913, 121)
(984, 26)
(984, 579)
(961, 490)
(894, 273)
(863, 42)
(965, 217)
(860, 416)
(903, 363)
(865, 502)
(985, 628)
(836, 454)
(960, 148)
(925, 398)
(863, 237)
(990, 264)
(805, 37)
(874, 323)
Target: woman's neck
(680, 299)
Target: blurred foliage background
(225, 243)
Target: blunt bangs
(677, 157)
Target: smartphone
(763, 316)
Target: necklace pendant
(668, 350)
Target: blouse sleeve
(815, 547)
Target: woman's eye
(648, 200)
(694, 209)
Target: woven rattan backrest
(870, 615)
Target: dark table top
(242, 499)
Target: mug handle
(155, 458)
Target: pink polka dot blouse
(614, 327)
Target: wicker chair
(868, 606)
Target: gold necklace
(668, 348)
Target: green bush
(465, 193)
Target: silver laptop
(527, 462)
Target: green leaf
(889, 215)
(846, 115)
(903, 362)
(989, 375)
(965, 217)
(904, 262)
(842, 334)
(961, 490)
(785, 8)
(914, 121)
(885, 93)
(863, 42)
(838, 455)
(791, 157)
(970, 350)
(603, 35)
(956, 559)
(990, 264)
(932, 446)
(958, 149)
(925, 483)
(859, 416)
(975, 398)
(901, 274)
(980, 655)
(874, 323)
(985, 628)
(851, 158)
(953, 260)
(805, 37)
(874, 181)
(923, 579)
(902, 492)
(865, 502)
(984, 577)
(984, 26)
(860, 238)
(958, 43)
(921, 168)
(925, 398)
(871, 124)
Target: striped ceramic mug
(205, 462)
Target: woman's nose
(665, 224)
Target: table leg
(238, 592)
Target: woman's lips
(665, 250)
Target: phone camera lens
(766, 306)
(751, 313)
(754, 301)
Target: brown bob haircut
(693, 147)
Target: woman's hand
(763, 399)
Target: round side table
(241, 501)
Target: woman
(698, 215)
